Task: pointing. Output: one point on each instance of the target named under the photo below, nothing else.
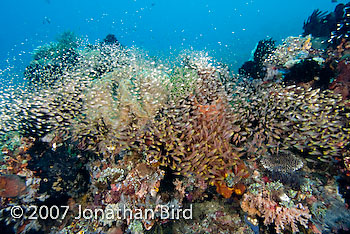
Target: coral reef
(339, 61)
(11, 186)
(122, 134)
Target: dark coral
(68, 173)
(304, 71)
(110, 39)
(252, 69)
(344, 189)
(255, 68)
(334, 25)
(319, 24)
(292, 179)
(342, 30)
(264, 48)
(308, 70)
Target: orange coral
(208, 110)
(222, 189)
(239, 189)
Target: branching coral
(133, 189)
(261, 203)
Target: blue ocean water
(228, 30)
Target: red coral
(11, 186)
(222, 189)
(342, 82)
